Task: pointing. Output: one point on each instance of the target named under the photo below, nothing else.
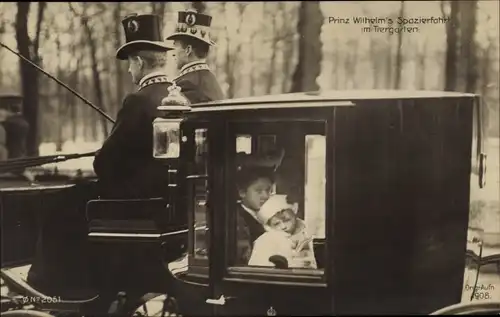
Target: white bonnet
(273, 205)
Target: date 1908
(481, 291)
(28, 300)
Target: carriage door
(296, 152)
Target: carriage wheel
(159, 306)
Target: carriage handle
(218, 301)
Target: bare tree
(336, 63)
(84, 20)
(159, 8)
(2, 31)
(351, 63)
(468, 11)
(29, 75)
(486, 65)
(399, 51)
(389, 69)
(310, 46)
(388, 62)
(199, 6)
(118, 64)
(451, 45)
(271, 16)
(60, 120)
(252, 61)
(375, 61)
(421, 64)
(232, 55)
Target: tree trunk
(229, 70)
(231, 57)
(287, 63)
(310, 46)
(60, 119)
(468, 17)
(421, 64)
(485, 76)
(336, 63)
(159, 9)
(29, 74)
(228, 62)
(274, 44)
(375, 63)
(388, 65)
(95, 74)
(252, 62)
(399, 52)
(118, 63)
(351, 63)
(2, 31)
(451, 47)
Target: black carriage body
(23, 209)
(397, 181)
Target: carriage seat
(150, 219)
(134, 238)
(16, 284)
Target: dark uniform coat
(198, 83)
(125, 164)
(65, 262)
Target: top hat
(142, 32)
(192, 24)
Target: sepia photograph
(267, 158)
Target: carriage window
(315, 181)
(199, 186)
(280, 204)
(244, 144)
(266, 143)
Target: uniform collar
(192, 66)
(153, 78)
(183, 68)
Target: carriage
(382, 180)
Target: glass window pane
(270, 223)
(166, 138)
(200, 219)
(315, 185)
(201, 152)
(266, 143)
(199, 197)
(244, 144)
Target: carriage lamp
(167, 126)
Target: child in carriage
(286, 235)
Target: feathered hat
(142, 32)
(193, 23)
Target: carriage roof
(338, 96)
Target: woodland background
(262, 48)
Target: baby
(286, 236)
